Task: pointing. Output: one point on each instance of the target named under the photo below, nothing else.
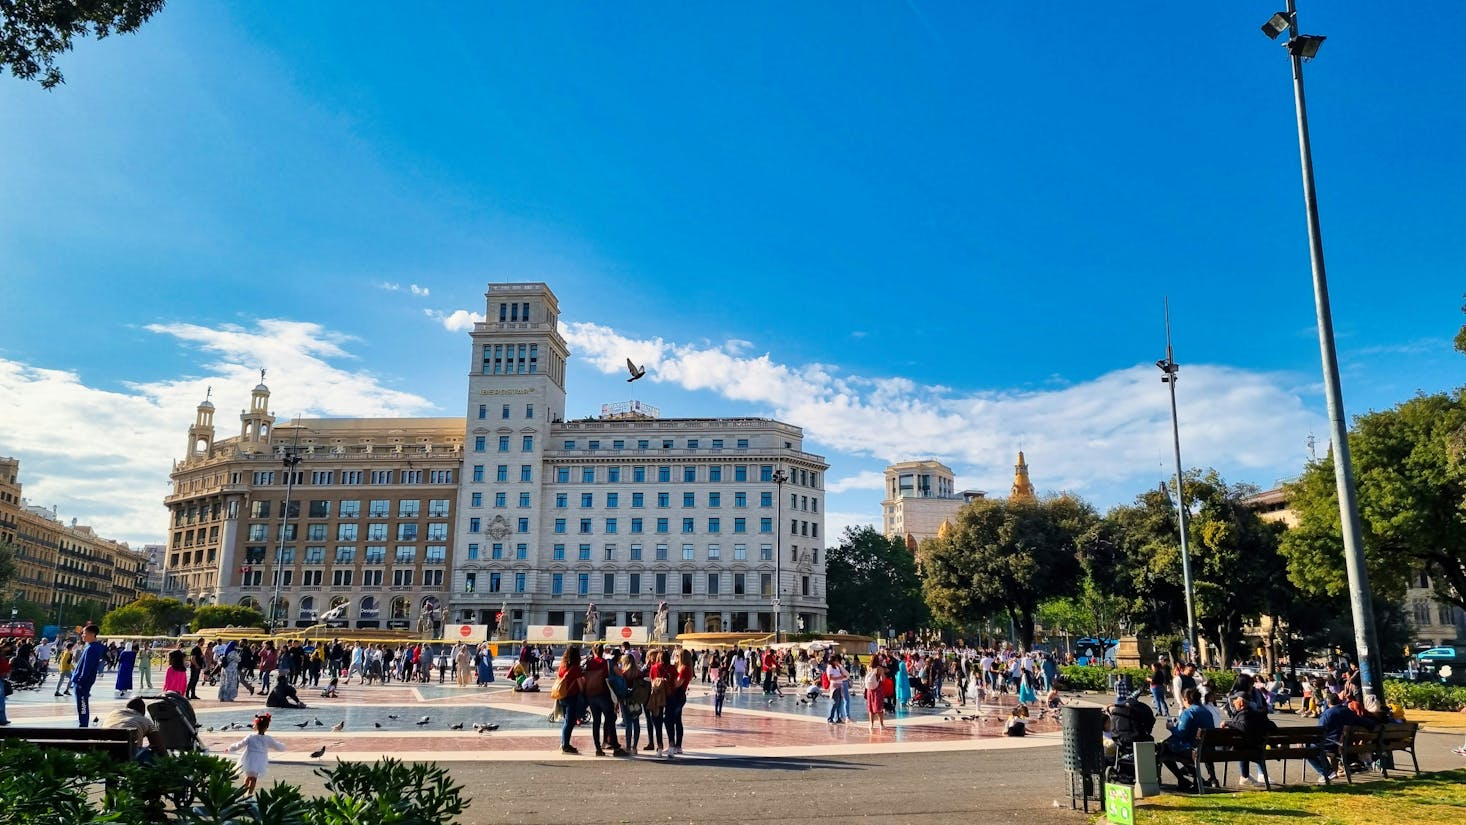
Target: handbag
(558, 714)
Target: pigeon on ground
(302, 724)
(458, 726)
(96, 720)
(636, 372)
(376, 724)
(317, 754)
(482, 727)
(319, 723)
(392, 716)
(339, 726)
(210, 729)
(422, 721)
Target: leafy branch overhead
(34, 32)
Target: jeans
(602, 721)
(718, 696)
(674, 720)
(655, 723)
(574, 708)
(4, 720)
(1158, 695)
(632, 721)
(839, 703)
(193, 683)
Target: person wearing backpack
(597, 681)
(634, 692)
(568, 689)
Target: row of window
(346, 554)
(501, 473)
(511, 359)
(342, 578)
(664, 500)
(481, 442)
(713, 584)
(483, 411)
(352, 478)
(667, 444)
(663, 474)
(375, 531)
(714, 552)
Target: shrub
(1098, 679)
(1425, 695)
(41, 786)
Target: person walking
(229, 673)
(1157, 682)
(839, 695)
(195, 668)
(462, 665)
(145, 667)
(66, 665)
(88, 665)
(125, 661)
(875, 702)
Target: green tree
(872, 584)
(1412, 489)
(148, 616)
(1090, 612)
(7, 565)
(226, 615)
(1005, 556)
(1236, 570)
(34, 32)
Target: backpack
(639, 694)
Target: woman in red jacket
(568, 690)
(677, 700)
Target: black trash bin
(1084, 752)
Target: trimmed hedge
(1098, 679)
(1425, 695)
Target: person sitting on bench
(147, 737)
(1177, 749)
(282, 695)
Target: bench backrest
(68, 734)
(1398, 736)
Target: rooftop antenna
(1312, 445)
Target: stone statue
(592, 622)
(659, 623)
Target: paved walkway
(752, 725)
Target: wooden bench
(115, 742)
(1397, 738)
(1225, 745)
(1385, 740)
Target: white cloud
(420, 291)
(459, 320)
(104, 455)
(1084, 435)
(867, 480)
(389, 286)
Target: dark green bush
(1098, 679)
(57, 787)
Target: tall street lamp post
(1169, 366)
(290, 459)
(779, 477)
(1304, 47)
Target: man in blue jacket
(88, 665)
(1333, 721)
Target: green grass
(1431, 798)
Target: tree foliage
(148, 616)
(1236, 570)
(7, 565)
(1091, 611)
(1411, 490)
(872, 584)
(226, 615)
(34, 32)
(1005, 556)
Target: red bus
(17, 630)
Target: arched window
(250, 601)
(280, 608)
(370, 607)
(401, 608)
(340, 602)
(308, 607)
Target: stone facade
(921, 496)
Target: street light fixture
(1302, 47)
(1169, 366)
(779, 477)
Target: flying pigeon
(339, 726)
(317, 754)
(458, 726)
(636, 372)
(422, 721)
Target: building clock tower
(516, 390)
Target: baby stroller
(922, 695)
(177, 722)
(1131, 721)
(28, 678)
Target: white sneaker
(677, 750)
(1324, 780)
(661, 753)
(1261, 780)
(1248, 782)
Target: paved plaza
(766, 759)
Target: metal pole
(778, 478)
(1361, 606)
(1171, 368)
(290, 460)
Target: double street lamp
(1305, 47)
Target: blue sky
(916, 229)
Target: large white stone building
(716, 516)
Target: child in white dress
(256, 747)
